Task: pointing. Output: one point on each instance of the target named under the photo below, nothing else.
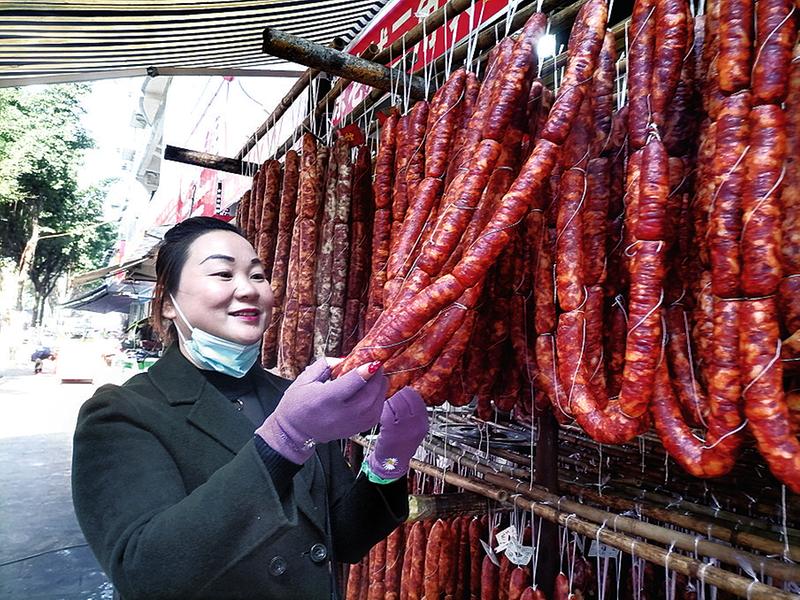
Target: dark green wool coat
(175, 501)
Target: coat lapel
(308, 487)
(214, 415)
(181, 383)
(308, 483)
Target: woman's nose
(245, 288)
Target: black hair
(172, 255)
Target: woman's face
(223, 289)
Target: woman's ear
(168, 309)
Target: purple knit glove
(315, 410)
(404, 424)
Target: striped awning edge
(47, 42)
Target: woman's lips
(249, 315)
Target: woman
(208, 477)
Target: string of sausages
(447, 558)
(537, 250)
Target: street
(43, 555)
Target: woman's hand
(316, 409)
(404, 424)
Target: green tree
(81, 244)
(42, 144)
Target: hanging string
(448, 48)
(472, 39)
(423, 46)
(406, 86)
(511, 10)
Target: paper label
(602, 550)
(488, 550)
(518, 554)
(505, 536)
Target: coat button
(277, 566)
(319, 553)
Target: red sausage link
(776, 33)
(765, 404)
(643, 345)
(641, 57)
(671, 37)
(432, 559)
(490, 580)
(761, 221)
(725, 225)
(651, 223)
(735, 44)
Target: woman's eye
(258, 276)
(224, 274)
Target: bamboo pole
(467, 483)
(629, 458)
(724, 580)
(486, 39)
(303, 81)
(433, 506)
(409, 39)
(689, 543)
(296, 49)
(755, 537)
(717, 513)
(734, 537)
(609, 530)
(209, 161)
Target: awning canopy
(47, 41)
(112, 297)
(90, 276)
(140, 268)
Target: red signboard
(397, 19)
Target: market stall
(588, 264)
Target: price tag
(518, 554)
(505, 536)
(490, 553)
(602, 550)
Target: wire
(264, 108)
(38, 554)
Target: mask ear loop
(183, 317)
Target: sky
(109, 107)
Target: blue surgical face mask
(214, 353)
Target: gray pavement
(43, 555)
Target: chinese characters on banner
(397, 19)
